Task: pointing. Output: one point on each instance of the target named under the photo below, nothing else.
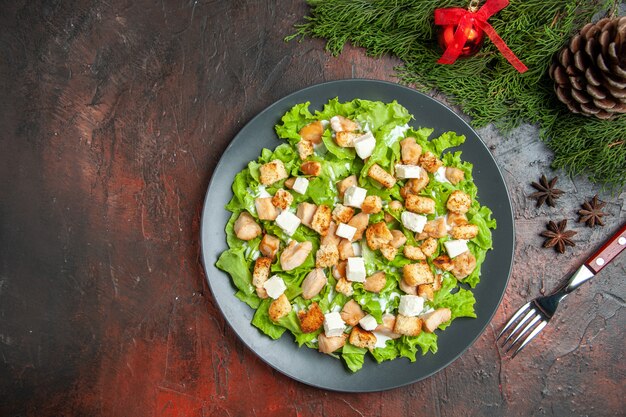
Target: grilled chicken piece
(269, 246)
(265, 209)
(432, 320)
(410, 151)
(313, 283)
(245, 227)
(351, 313)
(330, 344)
(295, 254)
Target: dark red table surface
(112, 117)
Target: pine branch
(486, 86)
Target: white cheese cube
(333, 324)
(440, 175)
(300, 185)
(413, 222)
(354, 196)
(288, 221)
(364, 145)
(368, 323)
(355, 271)
(345, 231)
(404, 172)
(335, 124)
(410, 305)
(356, 247)
(455, 247)
(275, 286)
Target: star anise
(592, 213)
(557, 236)
(546, 191)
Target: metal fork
(536, 314)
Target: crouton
(313, 283)
(375, 282)
(409, 289)
(421, 236)
(344, 286)
(351, 313)
(429, 246)
(414, 253)
(346, 183)
(331, 237)
(426, 291)
(245, 227)
(330, 344)
(326, 256)
(312, 132)
(342, 124)
(305, 213)
(359, 221)
(269, 246)
(408, 326)
(377, 235)
(345, 249)
(464, 231)
(373, 204)
(415, 185)
(282, 199)
(313, 168)
(432, 320)
(305, 149)
(265, 209)
(380, 175)
(436, 228)
(456, 219)
(410, 151)
(430, 162)
(418, 273)
(388, 251)
(312, 319)
(342, 214)
(346, 139)
(443, 262)
(362, 338)
(295, 254)
(386, 327)
(261, 271)
(438, 282)
(339, 270)
(459, 202)
(272, 172)
(454, 175)
(420, 205)
(463, 265)
(321, 219)
(289, 183)
(279, 308)
(398, 239)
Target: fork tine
(530, 337)
(526, 329)
(512, 320)
(528, 315)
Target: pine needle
(486, 86)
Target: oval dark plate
(307, 365)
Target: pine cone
(590, 73)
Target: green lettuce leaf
(233, 262)
(353, 356)
(294, 120)
(261, 320)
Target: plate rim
(204, 256)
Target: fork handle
(613, 247)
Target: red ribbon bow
(465, 20)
